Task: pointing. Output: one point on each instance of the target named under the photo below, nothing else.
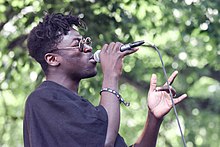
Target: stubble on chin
(89, 74)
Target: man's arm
(111, 62)
(148, 138)
(110, 102)
(159, 104)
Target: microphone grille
(96, 56)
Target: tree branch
(17, 41)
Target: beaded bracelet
(116, 94)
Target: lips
(91, 59)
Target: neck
(64, 81)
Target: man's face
(76, 63)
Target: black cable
(171, 95)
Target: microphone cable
(171, 95)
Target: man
(56, 116)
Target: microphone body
(123, 48)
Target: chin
(92, 75)
(89, 74)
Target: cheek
(76, 63)
(73, 58)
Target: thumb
(133, 50)
(153, 83)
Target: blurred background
(187, 32)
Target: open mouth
(91, 59)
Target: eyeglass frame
(80, 46)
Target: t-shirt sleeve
(58, 122)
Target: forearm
(149, 135)
(111, 103)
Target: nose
(87, 48)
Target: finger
(172, 77)
(166, 88)
(111, 47)
(131, 51)
(117, 46)
(179, 99)
(153, 83)
(104, 47)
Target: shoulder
(41, 93)
(49, 91)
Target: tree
(186, 32)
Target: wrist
(112, 91)
(110, 81)
(111, 78)
(153, 118)
(111, 75)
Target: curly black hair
(47, 34)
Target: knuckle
(119, 43)
(112, 43)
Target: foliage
(187, 33)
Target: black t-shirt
(57, 117)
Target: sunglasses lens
(87, 41)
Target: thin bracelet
(116, 94)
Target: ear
(52, 59)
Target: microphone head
(96, 56)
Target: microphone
(172, 92)
(123, 48)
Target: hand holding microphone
(123, 48)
